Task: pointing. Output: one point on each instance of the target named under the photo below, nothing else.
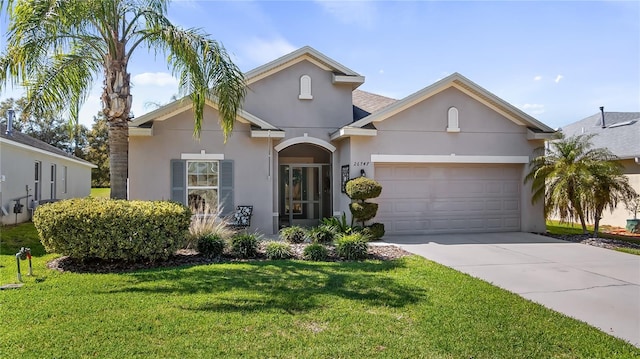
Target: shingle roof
(370, 102)
(20, 137)
(621, 134)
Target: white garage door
(440, 198)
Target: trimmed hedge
(363, 211)
(109, 229)
(362, 188)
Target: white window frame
(64, 179)
(453, 122)
(37, 181)
(52, 183)
(195, 187)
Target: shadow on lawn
(290, 286)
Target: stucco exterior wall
(275, 100)
(149, 161)
(620, 215)
(17, 166)
(421, 130)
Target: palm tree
(57, 49)
(607, 187)
(577, 181)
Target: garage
(449, 198)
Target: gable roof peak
(303, 53)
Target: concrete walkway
(598, 286)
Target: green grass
(100, 192)
(408, 308)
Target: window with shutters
(202, 185)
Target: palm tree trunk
(118, 159)
(116, 99)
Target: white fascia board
(377, 158)
(140, 131)
(353, 131)
(539, 135)
(267, 134)
(202, 156)
(41, 151)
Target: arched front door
(304, 185)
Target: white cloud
(262, 51)
(361, 13)
(154, 79)
(558, 78)
(537, 78)
(533, 108)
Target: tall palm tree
(577, 181)
(58, 49)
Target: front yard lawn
(406, 308)
(575, 230)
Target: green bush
(244, 245)
(211, 245)
(363, 211)
(108, 229)
(278, 250)
(315, 252)
(362, 188)
(376, 230)
(293, 234)
(322, 234)
(352, 247)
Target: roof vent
(625, 123)
(10, 114)
(602, 110)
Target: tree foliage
(57, 50)
(97, 151)
(577, 181)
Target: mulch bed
(191, 258)
(597, 242)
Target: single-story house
(620, 133)
(32, 171)
(451, 157)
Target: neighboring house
(620, 133)
(451, 157)
(32, 171)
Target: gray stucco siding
(275, 100)
(150, 159)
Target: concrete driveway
(598, 286)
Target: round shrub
(293, 234)
(278, 250)
(322, 234)
(352, 247)
(211, 245)
(363, 211)
(244, 245)
(85, 228)
(315, 252)
(362, 188)
(376, 230)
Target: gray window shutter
(178, 181)
(226, 188)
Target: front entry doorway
(305, 194)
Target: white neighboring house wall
(72, 178)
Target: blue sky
(557, 61)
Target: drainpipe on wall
(602, 111)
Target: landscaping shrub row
(86, 228)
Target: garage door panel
(437, 198)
